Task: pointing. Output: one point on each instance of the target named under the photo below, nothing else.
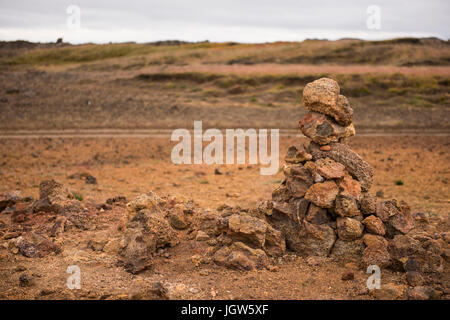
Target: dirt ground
(412, 168)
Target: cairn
(324, 206)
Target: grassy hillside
(400, 52)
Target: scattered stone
(26, 280)
(201, 236)
(388, 291)
(348, 275)
(414, 278)
(423, 293)
(242, 257)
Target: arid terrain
(75, 113)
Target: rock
(349, 229)
(402, 222)
(423, 293)
(311, 239)
(376, 252)
(97, 244)
(325, 148)
(317, 215)
(322, 194)
(374, 240)
(149, 201)
(36, 245)
(90, 179)
(54, 197)
(350, 187)
(275, 243)
(201, 236)
(145, 232)
(9, 199)
(117, 200)
(330, 169)
(297, 154)
(247, 229)
(81, 221)
(388, 291)
(374, 225)
(368, 203)
(348, 275)
(323, 130)
(414, 278)
(177, 218)
(323, 96)
(387, 209)
(353, 163)
(26, 280)
(58, 227)
(240, 256)
(298, 180)
(346, 206)
(281, 194)
(347, 250)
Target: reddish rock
(354, 164)
(330, 169)
(347, 250)
(312, 239)
(348, 275)
(317, 215)
(298, 180)
(323, 96)
(322, 194)
(346, 206)
(387, 209)
(349, 229)
(423, 293)
(241, 257)
(246, 228)
(376, 254)
(374, 225)
(368, 203)
(297, 154)
(325, 148)
(323, 130)
(350, 186)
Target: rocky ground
(410, 168)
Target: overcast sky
(226, 20)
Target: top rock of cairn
(323, 96)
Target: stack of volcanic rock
(324, 207)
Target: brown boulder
(323, 130)
(346, 206)
(297, 154)
(323, 194)
(323, 96)
(147, 231)
(353, 163)
(298, 180)
(346, 250)
(374, 225)
(312, 239)
(349, 229)
(246, 228)
(330, 169)
(368, 203)
(241, 257)
(317, 215)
